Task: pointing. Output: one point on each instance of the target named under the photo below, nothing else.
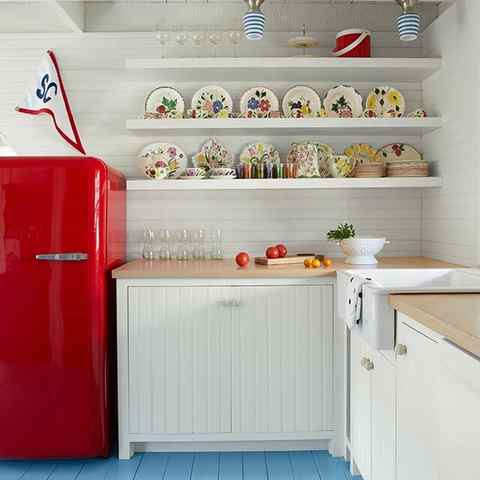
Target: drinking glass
(148, 240)
(217, 246)
(165, 238)
(198, 238)
(183, 250)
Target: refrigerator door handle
(62, 257)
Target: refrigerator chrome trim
(62, 257)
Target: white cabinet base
(225, 365)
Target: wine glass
(198, 39)
(235, 38)
(215, 39)
(162, 38)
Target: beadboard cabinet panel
(179, 360)
(282, 359)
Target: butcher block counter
(228, 268)
(455, 316)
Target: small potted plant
(359, 251)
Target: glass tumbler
(148, 241)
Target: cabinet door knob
(367, 364)
(401, 349)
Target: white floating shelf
(292, 68)
(289, 126)
(285, 184)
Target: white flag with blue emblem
(48, 95)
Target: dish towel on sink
(353, 307)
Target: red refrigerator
(62, 230)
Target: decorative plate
(162, 160)
(343, 102)
(386, 102)
(165, 102)
(301, 102)
(260, 152)
(258, 102)
(363, 153)
(212, 101)
(214, 154)
(341, 166)
(324, 152)
(418, 113)
(399, 152)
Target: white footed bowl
(362, 251)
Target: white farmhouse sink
(378, 317)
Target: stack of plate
(408, 169)
(370, 170)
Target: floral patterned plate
(214, 154)
(301, 102)
(212, 101)
(305, 156)
(260, 152)
(363, 153)
(258, 102)
(343, 102)
(341, 166)
(386, 102)
(165, 102)
(399, 152)
(162, 160)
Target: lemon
(316, 263)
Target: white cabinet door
(282, 359)
(383, 419)
(458, 403)
(416, 427)
(361, 403)
(179, 360)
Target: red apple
(282, 250)
(242, 259)
(272, 252)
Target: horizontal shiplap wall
(104, 94)
(450, 214)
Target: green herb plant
(343, 231)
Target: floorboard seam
(138, 466)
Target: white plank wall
(451, 214)
(103, 95)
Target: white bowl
(362, 251)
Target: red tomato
(242, 259)
(272, 252)
(282, 250)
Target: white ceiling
(39, 16)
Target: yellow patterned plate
(386, 102)
(363, 153)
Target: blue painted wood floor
(306, 465)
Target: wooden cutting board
(288, 260)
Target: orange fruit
(308, 263)
(327, 262)
(316, 263)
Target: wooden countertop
(455, 316)
(228, 268)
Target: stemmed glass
(234, 38)
(215, 38)
(198, 40)
(163, 38)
